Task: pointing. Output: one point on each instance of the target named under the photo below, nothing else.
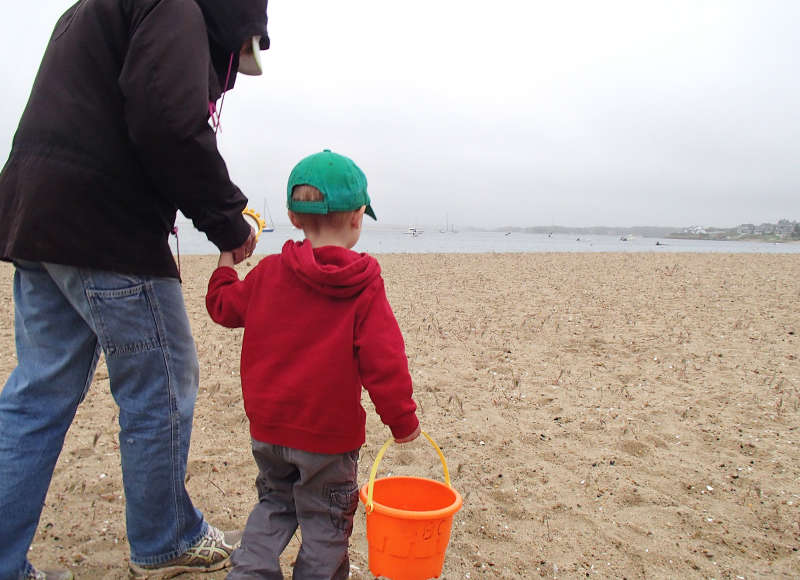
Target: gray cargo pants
(317, 491)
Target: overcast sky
(511, 112)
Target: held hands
(233, 257)
(408, 438)
(245, 250)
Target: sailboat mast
(269, 215)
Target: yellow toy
(255, 220)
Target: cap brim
(369, 212)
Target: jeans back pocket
(126, 319)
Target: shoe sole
(138, 573)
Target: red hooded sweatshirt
(317, 326)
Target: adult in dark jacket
(115, 139)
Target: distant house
(765, 229)
(695, 230)
(746, 229)
(784, 228)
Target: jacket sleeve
(165, 85)
(384, 367)
(227, 298)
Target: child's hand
(225, 259)
(408, 438)
(246, 249)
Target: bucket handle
(370, 506)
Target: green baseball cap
(342, 184)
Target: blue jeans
(64, 318)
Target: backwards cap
(342, 184)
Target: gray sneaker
(35, 574)
(211, 552)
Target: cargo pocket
(343, 501)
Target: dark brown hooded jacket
(115, 136)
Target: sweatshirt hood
(332, 270)
(229, 24)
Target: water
(377, 240)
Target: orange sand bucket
(408, 522)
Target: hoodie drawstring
(214, 116)
(212, 106)
(174, 232)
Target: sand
(603, 415)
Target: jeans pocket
(125, 318)
(343, 501)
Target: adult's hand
(246, 249)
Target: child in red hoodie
(317, 326)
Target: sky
(510, 112)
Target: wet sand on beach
(603, 416)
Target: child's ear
(357, 217)
(295, 219)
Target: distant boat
(448, 227)
(414, 231)
(271, 226)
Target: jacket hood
(332, 270)
(229, 24)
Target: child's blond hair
(315, 221)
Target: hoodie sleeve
(384, 367)
(227, 298)
(165, 85)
